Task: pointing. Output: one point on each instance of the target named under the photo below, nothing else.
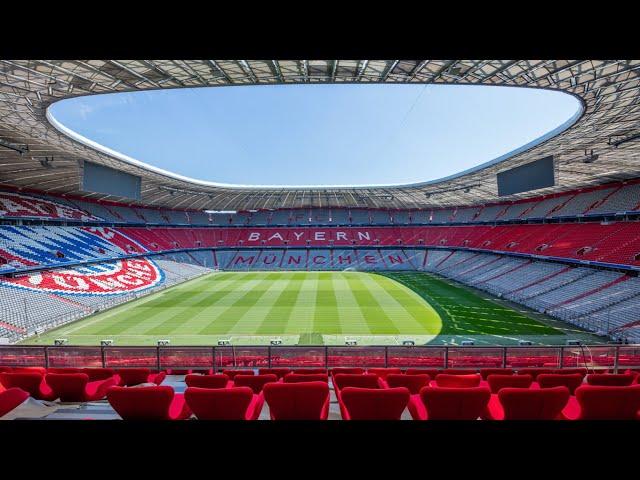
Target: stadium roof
(35, 153)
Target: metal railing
(613, 357)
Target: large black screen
(531, 176)
(101, 179)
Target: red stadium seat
(570, 371)
(533, 404)
(432, 372)
(452, 403)
(232, 373)
(207, 381)
(309, 371)
(130, 377)
(75, 387)
(31, 382)
(534, 371)
(364, 380)
(5, 369)
(383, 372)
(236, 403)
(254, 382)
(309, 377)
(278, 372)
(457, 381)
(297, 401)
(610, 379)
(40, 370)
(413, 383)
(99, 373)
(606, 403)
(346, 370)
(64, 370)
(485, 372)
(550, 380)
(148, 403)
(373, 403)
(10, 399)
(498, 382)
(458, 371)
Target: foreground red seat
(207, 381)
(450, 403)
(254, 382)
(40, 370)
(550, 380)
(297, 401)
(278, 372)
(498, 382)
(31, 382)
(364, 380)
(373, 403)
(306, 377)
(5, 369)
(384, 372)
(235, 403)
(534, 371)
(99, 373)
(457, 381)
(532, 404)
(413, 383)
(309, 371)
(76, 387)
(232, 373)
(130, 377)
(485, 372)
(10, 399)
(610, 379)
(596, 402)
(148, 403)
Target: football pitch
(314, 308)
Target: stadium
(509, 290)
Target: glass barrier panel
(77, 357)
(356, 357)
(11, 356)
(538, 357)
(475, 357)
(590, 357)
(242, 357)
(186, 358)
(415, 357)
(628, 357)
(224, 357)
(123, 357)
(298, 357)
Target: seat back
(133, 376)
(64, 370)
(68, 387)
(413, 383)
(485, 372)
(346, 371)
(39, 370)
(219, 403)
(455, 403)
(10, 399)
(384, 372)
(610, 379)
(307, 377)
(533, 404)
(96, 374)
(432, 372)
(29, 382)
(297, 401)
(534, 371)
(207, 381)
(141, 403)
(374, 403)
(278, 372)
(550, 380)
(458, 381)
(232, 373)
(254, 382)
(498, 382)
(570, 371)
(608, 403)
(363, 380)
(308, 371)
(458, 371)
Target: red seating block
(31, 382)
(207, 381)
(413, 383)
(457, 381)
(297, 401)
(148, 403)
(310, 377)
(498, 382)
(373, 403)
(75, 387)
(570, 381)
(10, 399)
(254, 382)
(533, 404)
(278, 372)
(235, 403)
(452, 403)
(607, 403)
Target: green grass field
(312, 308)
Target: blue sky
(317, 134)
